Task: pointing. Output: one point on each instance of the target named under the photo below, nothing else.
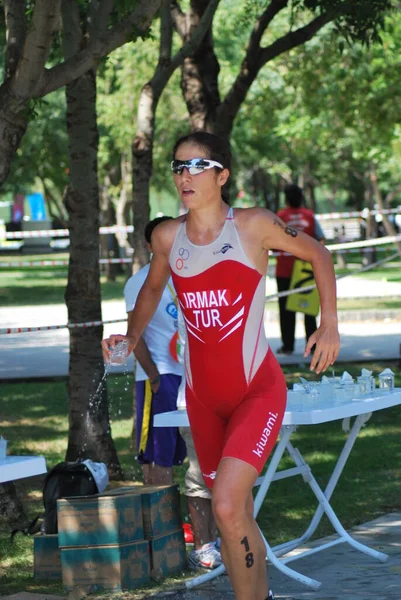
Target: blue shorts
(163, 446)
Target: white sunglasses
(195, 166)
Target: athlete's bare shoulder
(262, 226)
(254, 220)
(164, 234)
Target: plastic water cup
(372, 383)
(3, 448)
(386, 383)
(364, 385)
(326, 392)
(340, 394)
(119, 354)
(349, 391)
(296, 399)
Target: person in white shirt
(157, 379)
(206, 551)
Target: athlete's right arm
(150, 293)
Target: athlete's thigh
(208, 433)
(255, 424)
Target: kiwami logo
(261, 444)
(225, 248)
(211, 475)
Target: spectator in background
(157, 379)
(302, 219)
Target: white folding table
(18, 467)
(295, 416)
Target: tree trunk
(278, 186)
(389, 228)
(89, 424)
(369, 256)
(13, 125)
(108, 242)
(142, 166)
(142, 147)
(124, 207)
(199, 75)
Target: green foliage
(35, 107)
(325, 109)
(357, 20)
(43, 152)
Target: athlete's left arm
(275, 233)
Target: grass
(21, 286)
(34, 420)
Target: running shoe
(188, 533)
(208, 557)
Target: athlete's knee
(229, 512)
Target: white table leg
(325, 507)
(335, 476)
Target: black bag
(64, 480)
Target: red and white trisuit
(236, 391)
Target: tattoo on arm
(288, 230)
(249, 560)
(291, 231)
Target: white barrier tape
(389, 239)
(60, 263)
(354, 213)
(19, 235)
(367, 244)
(8, 330)
(35, 263)
(345, 248)
(312, 287)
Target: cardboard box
(161, 507)
(119, 567)
(99, 520)
(46, 557)
(168, 554)
(161, 510)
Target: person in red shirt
(303, 219)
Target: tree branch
(252, 64)
(98, 17)
(391, 195)
(294, 38)
(165, 68)
(166, 33)
(72, 32)
(179, 18)
(37, 46)
(261, 25)
(86, 59)
(193, 42)
(14, 13)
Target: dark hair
(216, 149)
(151, 225)
(294, 196)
